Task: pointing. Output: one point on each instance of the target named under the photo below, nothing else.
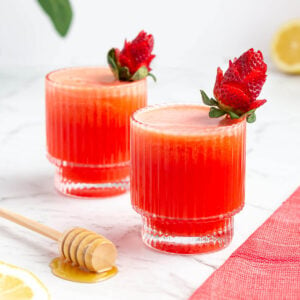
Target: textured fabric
(266, 266)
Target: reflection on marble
(26, 186)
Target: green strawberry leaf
(233, 115)
(248, 112)
(206, 100)
(152, 76)
(251, 118)
(60, 13)
(141, 73)
(124, 74)
(214, 101)
(251, 111)
(111, 59)
(216, 113)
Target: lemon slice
(19, 284)
(286, 47)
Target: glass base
(92, 181)
(187, 236)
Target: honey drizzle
(65, 270)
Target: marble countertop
(26, 187)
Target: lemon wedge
(19, 284)
(286, 47)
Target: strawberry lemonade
(87, 118)
(188, 174)
(188, 166)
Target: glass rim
(121, 84)
(198, 132)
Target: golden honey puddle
(66, 270)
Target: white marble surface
(26, 186)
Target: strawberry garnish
(236, 90)
(133, 61)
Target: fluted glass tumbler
(88, 125)
(187, 177)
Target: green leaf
(111, 59)
(60, 13)
(214, 101)
(124, 74)
(152, 76)
(141, 73)
(251, 118)
(233, 115)
(248, 112)
(251, 111)
(206, 100)
(216, 113)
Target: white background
(186, 32)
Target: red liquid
(87, 115)
(188, 174)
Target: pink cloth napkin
(266, 266)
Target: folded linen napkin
(266, 266)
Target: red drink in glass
(87, 119)
(187, 177)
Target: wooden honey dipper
(82, 247)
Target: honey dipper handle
(30, 224)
